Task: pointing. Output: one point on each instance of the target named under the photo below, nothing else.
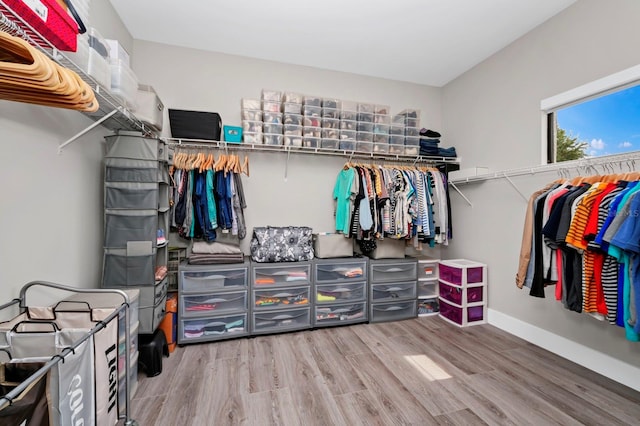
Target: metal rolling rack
(21, 301)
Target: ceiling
(420, 41)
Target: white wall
(197, 80)
(51, 204)
(492, 115)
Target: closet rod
(206, 144)
(555, 167)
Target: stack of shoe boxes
(292, 118)
(331, 123)
(312, 121)
(272, 117)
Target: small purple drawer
(454, 294)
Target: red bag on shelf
(49, 19)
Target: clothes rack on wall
(46, 291)
(607, 164)
(288, 150)
(111, 113)
(580, 238)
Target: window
(597, 119)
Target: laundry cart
(59, 357)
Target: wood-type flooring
(421, 371)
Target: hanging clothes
(206, 200)
(376, 202)
(590, 249)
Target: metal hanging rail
(350, 154)
(587, 165)
(111, 114)
(620, 159)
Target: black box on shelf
(195, 124)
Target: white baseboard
(596, 361)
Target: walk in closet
(430, 167)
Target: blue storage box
(232, 134)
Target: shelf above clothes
(288, 149)
(112, 113)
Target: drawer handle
(395, 289)
(396, 269)
(342, 290)
(391, 308)
(205, 277)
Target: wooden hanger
(245, 166)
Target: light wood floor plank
(275, 408)
(338, 374)
(460, 418)
(421, 371)
(395, 398)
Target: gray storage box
(327, 246)
(388, 249)
(150, 109)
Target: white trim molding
(590, 90)
(606, 365)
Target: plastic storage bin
(462, 271)
(330, 143)
(252, 114)
(348, 125)
(381, 147)
(348, 135)
(340, 314)
(149, 107)
(271, 106)
(312, 111)
(292, 97)
(331, 103)
(124, 83)
(232, 133)
(348, 115)
(273, 139)
(272, 117)
(252, 137)
(364, 127)
(272, 128)
(292, 140)
(292, 108)
(311, 142)
(252, 126)
(271, 95)
(331, 123)
(412, 131)
(253, 104)
(315, 132)
(312, 101)
(411, 145)
(290, 118)
(312, 121)
(292, 130)
(470, 315)
(330, 113)
(367, 117)
(459, 295)
(330, 134)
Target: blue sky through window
(609, 124)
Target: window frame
(612, 83)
